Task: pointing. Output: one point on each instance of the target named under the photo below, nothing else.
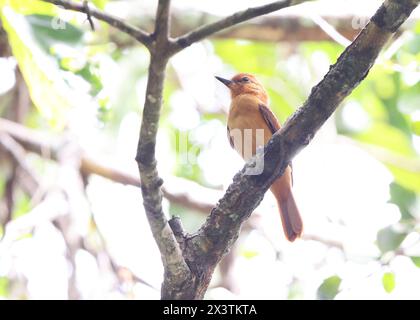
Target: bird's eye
(245, 79)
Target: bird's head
(245, 83)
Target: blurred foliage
(4, 287)
(329, 288)
(389, 239)
(405, 200)
(382, 115)
(22, 204)
(416, 261)
(388, 281)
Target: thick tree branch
(140, 35)
(236, 18)
(177, 272)
(221, 229)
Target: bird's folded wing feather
(273, 124)
(269, 118)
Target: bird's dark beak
(226, 82)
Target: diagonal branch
(140, 35)
(234, 19)
(222, 227)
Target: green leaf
(330, 48)
(408, 101)
(30, 6)
(4, 287)
(22, 205)
(100, 3)
(48, 32)
(280, 105)
(405, 176)
(329, 288)
(415, 127)
(416, 261)
(388, 281)
(389, 240)
(394, 148)
(385, 88)
(295, 291)
(2, 185)
(405, 200)
(249, 254)
(252, 57)
(49, 92)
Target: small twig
(140, 35)
(89, 17)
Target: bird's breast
(247, 127)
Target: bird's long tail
(290, 216)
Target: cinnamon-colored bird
(249, 112)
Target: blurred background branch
(138, 34)
(179, 191)
(208, 30)
(286, 26)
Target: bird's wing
(273, 124)
(229, 137)
(269, 117)
(291, 171)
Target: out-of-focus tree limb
(178, 191)
(208, 30)
(287, 27)
(53, 206)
